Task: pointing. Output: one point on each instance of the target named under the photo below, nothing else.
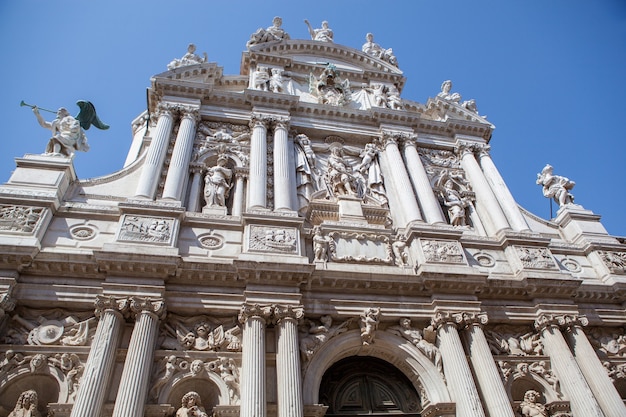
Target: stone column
(257, 184)
(99, 365)
(486, 202)
(425, 196)
(455, 366)
(495, 397)
(150, 172)
(238, 193)
(253, 317)
(591, 367)
(196, 186)
(288, 361)
(133, 389)
(181, 155)
(572, 380)
(507, 202)
(399, 178)
(282, 169)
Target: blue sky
(551, 75)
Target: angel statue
(556, 186)
(68, 132)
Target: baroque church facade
(299, 240)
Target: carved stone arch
(49, 383)
(210, 155)
(400, 353)
(516, 388)
(211, 388)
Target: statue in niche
(380, 95)
(26, 405)
(261, 78)
(217, 183)
(320, 243)
(530, 407)
(191, 406)
(307, 173)
(274, 33)
(393, 98)
(339, 177)
(451, 189)
(414, 336)
(324, 34)
(399, 251)
(190, 58)
(445, 94)
(370, 171)
(556, 186)
(371, 48)
(369, 324)
(330, 88)
(316, 335)
(276, 80)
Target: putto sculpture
(556, 186)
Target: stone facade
(299, 240)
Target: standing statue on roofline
(324, 34)
(556, 186)
(68, 132)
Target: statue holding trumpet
(68, 132)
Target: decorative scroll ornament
(255, 310)
(282, 312)
(82, 232)
(140, 305)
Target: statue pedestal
(350, 209)
(215, 210)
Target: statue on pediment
(323, 34)
(371, 48)
(445, 94)
(274, 33)
(190, 58)
(556, 186)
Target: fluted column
(486, 202)
(181, 155)
(238, 193)
(194, 190)
(253, 402)
(591, 367)
(455, 366)
(290, 403)
(399, 178)
(99, 367)
(425, 196)
(507, 202)
(572, 380)
(282, 171)
(133, 390)
(257, 183)
(489, 382)
(150, 172)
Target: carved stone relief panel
(147, 229)
(442, 251)
(359, 247)
(49, 327)
(273, 239)
(614, 261)
(535, 258)
(20, 219)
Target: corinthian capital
(463, 148)
(255, 310)
(563, 321)
(445, 317)
(474, 319)
(288, 312)
(140, 305)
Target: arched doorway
(364, 385)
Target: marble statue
(191, 406)
(317, 334)
(393, 98)
(272, 33)
(190, 58)
(319, 245)
(26, 405)
(530, 407)
(228, 371)
(556, 186)
(276, 80)
(324, 34)
(399, 251)
(330, 88)
(217, 183)
(455, 203)
(67, 135)
(261, 78)
(371, 48)
(414, 336)
(339, 177)
(369, 324)
(445, 94)
(307, 173)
